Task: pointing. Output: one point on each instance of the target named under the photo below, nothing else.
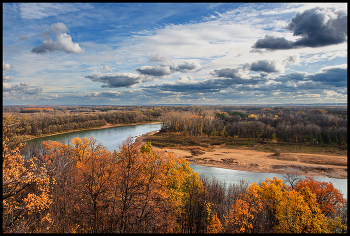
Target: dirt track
(256, 161)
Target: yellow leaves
(252, 116)
(208, 210)
(26, 187)
(293, 214)
(292, 211)
(146, 148)
(240, 217)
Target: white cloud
(222, 41)
(33, 11)
(184, 80)
(158, 58)
(117, 80)
(58, 28)
(154, 70)
(8, 78)
(6, 66)
(63, 42)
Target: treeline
(81, 187)
(287, 124)
(48, 123)
(313, 126)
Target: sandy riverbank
(334, 166)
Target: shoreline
(106, 126)
(246, 160)
(332, 166)
(250, 160)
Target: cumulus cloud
(184, 80)
(316, 27)
(6, 67)
(116, 80)
(157, 70)
(273, 43)
(63, 42)
(158, 58)
(23, 87)
(267, 66)
(229, 73)
(334, 77)
(188, 66)
(319, 27)
(58, 28)
(235, 80)
(8, 78)
(166, 66)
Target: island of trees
(81, 187)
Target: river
(112, 138)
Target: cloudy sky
(174, 53)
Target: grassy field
(177, 140)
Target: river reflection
(113, 137)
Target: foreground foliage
(81, 187)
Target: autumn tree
(272, 207)
(328, 198)
(139, 201)
(214, 226)
(25, 192)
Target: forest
(310, 125)
(81, 187)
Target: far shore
(106, 126)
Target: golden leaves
(26, 188)
(292, 211)
(215, 226)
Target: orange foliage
(214, 226)
(328, 198)
(25, 192)
(82, 187)
(38, 108)
(273, 207)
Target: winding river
(112, 138)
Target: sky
(174, 53)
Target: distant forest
(297, 124)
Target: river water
(112, 138)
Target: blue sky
(174, 53)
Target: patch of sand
(257, 161)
